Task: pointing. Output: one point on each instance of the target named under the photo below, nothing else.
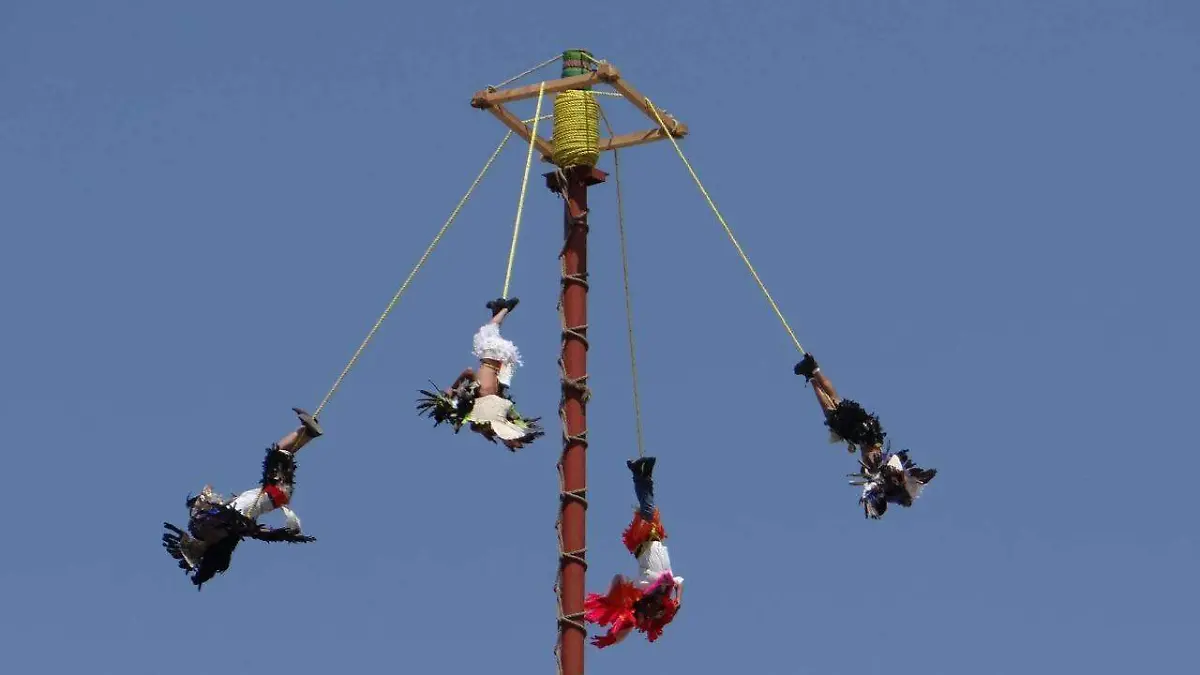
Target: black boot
(642, 468)
(497, 305)
(806, 367)
(310, 424)
(511, 304)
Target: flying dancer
(650, 601)
(217, 525)
(481, 399)
(885, 477)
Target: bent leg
(827, 396)
(293, 441)
(827, 402)
(308, 430)
(825, 390)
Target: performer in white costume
(217, 525)
(481, 398)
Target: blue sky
(980, 216)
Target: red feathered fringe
(641, 531)
(616, 610)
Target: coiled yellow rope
(576, 129)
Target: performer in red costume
(649, 602)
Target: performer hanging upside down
(216, 525)
(649, 602)
(885, 477)
(481, 399)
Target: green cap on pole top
(577, 62)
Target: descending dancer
(885, 477)
(481, 398)
(216, 525)
(649, 602)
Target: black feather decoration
(855, 425)
(272, 535)
(279, 467)
(441, 408)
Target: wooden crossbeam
(493, 101)
(640, 137)
(613, 77)
(486, 99)
(513, 122)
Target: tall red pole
(573, 184)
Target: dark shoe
(511, 304)
(310, 424)
(497, 305)
(923, 476)
(806, 367)
(642, 468)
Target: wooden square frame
(493, 101)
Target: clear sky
(980, 216)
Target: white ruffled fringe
(489, 345)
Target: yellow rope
(725, 225)
(637, 403)
(514, 78)
(512, 251)
(576, 129)
(413, 273)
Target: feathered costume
(848, 422)
(851, 424)
(897, 480)
(216, 526)
(494, 415)
(649, 602)
(884, 477)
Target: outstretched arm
(617, 633)
(465, 376)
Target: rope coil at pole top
(576, 129)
